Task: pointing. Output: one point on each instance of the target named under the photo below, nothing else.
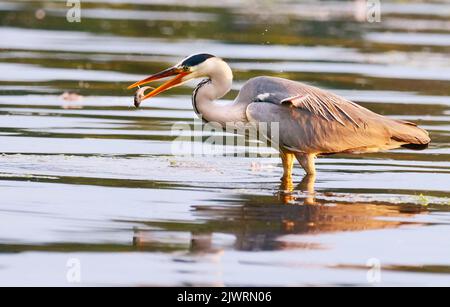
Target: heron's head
(194, 66)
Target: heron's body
(311, 121)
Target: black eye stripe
(196, 59)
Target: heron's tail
(410, 135)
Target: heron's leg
(307, 162)
(288, 164)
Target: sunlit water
(96, 181)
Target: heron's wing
(316, 121)
(328, 106)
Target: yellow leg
(307, 162)
(287, 186)
(288, 164)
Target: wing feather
(313, 120)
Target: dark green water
(96, 180)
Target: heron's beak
(173, 71)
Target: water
(94, 181)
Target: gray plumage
(319, 122)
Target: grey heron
(312, 121)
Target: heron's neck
(208, 91)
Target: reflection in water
(86, 176)
(306, 186)
(259, 222)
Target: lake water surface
(93, 184)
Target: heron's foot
(286, 189)
(287, 183)
(286, 178)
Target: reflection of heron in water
(259, 222)
(306, 186)
(311, 121)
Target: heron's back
(313, 120)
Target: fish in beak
(179, 74)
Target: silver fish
(140, 93)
